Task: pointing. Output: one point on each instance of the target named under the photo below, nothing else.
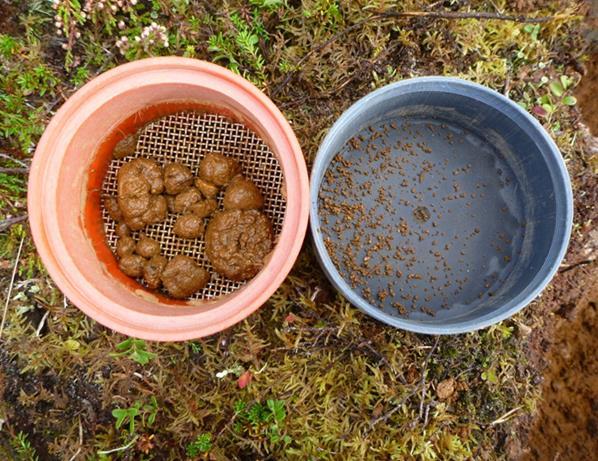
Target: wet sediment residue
(420, 216)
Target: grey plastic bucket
(507, 154)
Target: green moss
(327, 382)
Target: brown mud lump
(133, 198)
(125, 246)
(208, 189)
(204, 208)
(242, 194)
(136, 223)
(156, 211)
(170, 203)
(189, 226)
(152, 271)
(147, 247)
(185, 199)
(122, 229)
(143, 168)
(237, 242)
(177, 178)
(182, 277)
(132, 265)
(111, 205)
(218, 169)
(138, 182)
(126, 146)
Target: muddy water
(422, 217)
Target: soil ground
(586, 94)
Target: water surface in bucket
(422, 216)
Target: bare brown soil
(565, 425)
(586, 94)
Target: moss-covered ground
(306, 377)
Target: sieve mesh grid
(185, 138)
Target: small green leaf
(201, 444)
(71, 344)
(195, 347)
(239, 406)
(566, 81)
(533, 30)
(570, 100)
(132, 413)
(278, 409)
(136, 349)
(126, 344)
(490, 376)
(267, 4)
(152, 409)
(274, 433)
(120, 415)
(257, 414)
(142, 357)
(8, 45)
(557, 89)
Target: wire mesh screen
(185, 138)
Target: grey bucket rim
(556, 166)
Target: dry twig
(12, 221)
(12, 159)
(14, 170)
(388, 414)
(397, 407)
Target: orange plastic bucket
(64, 205)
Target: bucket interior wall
(514, 220)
